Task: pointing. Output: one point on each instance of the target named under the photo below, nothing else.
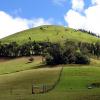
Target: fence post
(32, 89)
(11, 90)
(44, 88)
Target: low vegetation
(65, 55)
(14, 65)
(68, 52)
(73, 85)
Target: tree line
(54, 53)
(89, 32)
(72, 53)
(14, 49)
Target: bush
(49, 60)
(54, 55)
(82, 59)
(31, 59)
(66, 55)
(69, 55)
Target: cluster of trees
(89, 32)
(90, 48)
(54, 53)
(27, 49)
(66, 54)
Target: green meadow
(16, 82)
(19, 64)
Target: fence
(43, 88)
(34, 89)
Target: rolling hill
(50, 33)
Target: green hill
(17, 75)
(50, 33)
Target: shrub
(31, 59)
(67, 55)
(49, 60)
(82, 59)
(54, 55)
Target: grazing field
(16, 85)
(50, 33)
(18, 64)
(74, 82)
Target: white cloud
(78, 5)
(59, 2)
(74, 19)
(89, 21)
(10, 25)
(95, 2)
(41, 21)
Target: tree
(37, 49)
(67, 54)
(54, 55)
(82, 59)
(97, 49)
(31, 59)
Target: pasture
(73, 85)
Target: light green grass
(73, 84)
(50, 33)
(18, 64)
(15, 85)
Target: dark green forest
(69, 52)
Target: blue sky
(36, 8)
(18, 15)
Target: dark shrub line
(67, 53)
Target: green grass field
(18, 64)
(73, 85)
(50, 33)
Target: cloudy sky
(18, 15)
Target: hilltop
(50, 33)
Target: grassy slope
(18, 64)
(73, 84)
(15, 85)
(51, 33)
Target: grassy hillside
(73, 84)
(11, 85)
(50, 33)
(18, 64)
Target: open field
(50, 33)
(18, 64)
(73, 85)
(14, 85)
